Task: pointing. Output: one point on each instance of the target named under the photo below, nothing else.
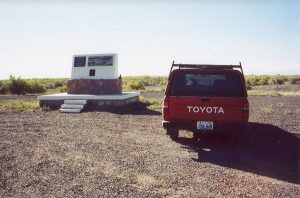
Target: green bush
(50, 86)
(137, 85)
(294, 80)
(17, 85)
(254, 80)
(63, 89)
(49, 83)
(163, 82)
(58, 84)
(23, 86)
(248, 85)
(34, 87)
(263, 80)
(145, 80)
(273, 81)
(3, 87)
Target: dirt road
(111, 154)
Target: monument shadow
(137, 108)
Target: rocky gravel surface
(127, 154)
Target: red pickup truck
(205, 99)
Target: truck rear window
(209, 84)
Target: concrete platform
(72, 106)
(78, 102)
(65, 96)
(117, 100)
(70, 110)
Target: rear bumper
(220, 126)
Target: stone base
(113, 103)
(97, 86)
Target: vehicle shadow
(132, 109)
(265, 150)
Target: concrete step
(69, 110)
(82, 102)
(72, 106)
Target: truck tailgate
(206, 108)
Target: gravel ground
(111, 154)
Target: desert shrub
(273, 81)
(163, 81)
(153, 80)
(35, 87)
(263, 80)
(136, 84)
(63, 89)
(252, 80)
(17, 85)
(49, 83)
(3, 87)
(282, 79)
(145, 80)
(50, 86)
(247, 81)
(248, 85)
(58, 84)
(294, 80)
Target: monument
(95, 82)
(95, 74)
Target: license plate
(205, 125)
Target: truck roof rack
(206, 66)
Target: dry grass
(20, 105)
(273, 90)
(272, 93)
(289, 93)
(267, 109)
(262, 93)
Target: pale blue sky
(39, 38)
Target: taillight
(165, 108)
(246, 109)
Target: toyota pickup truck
(205, 99)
